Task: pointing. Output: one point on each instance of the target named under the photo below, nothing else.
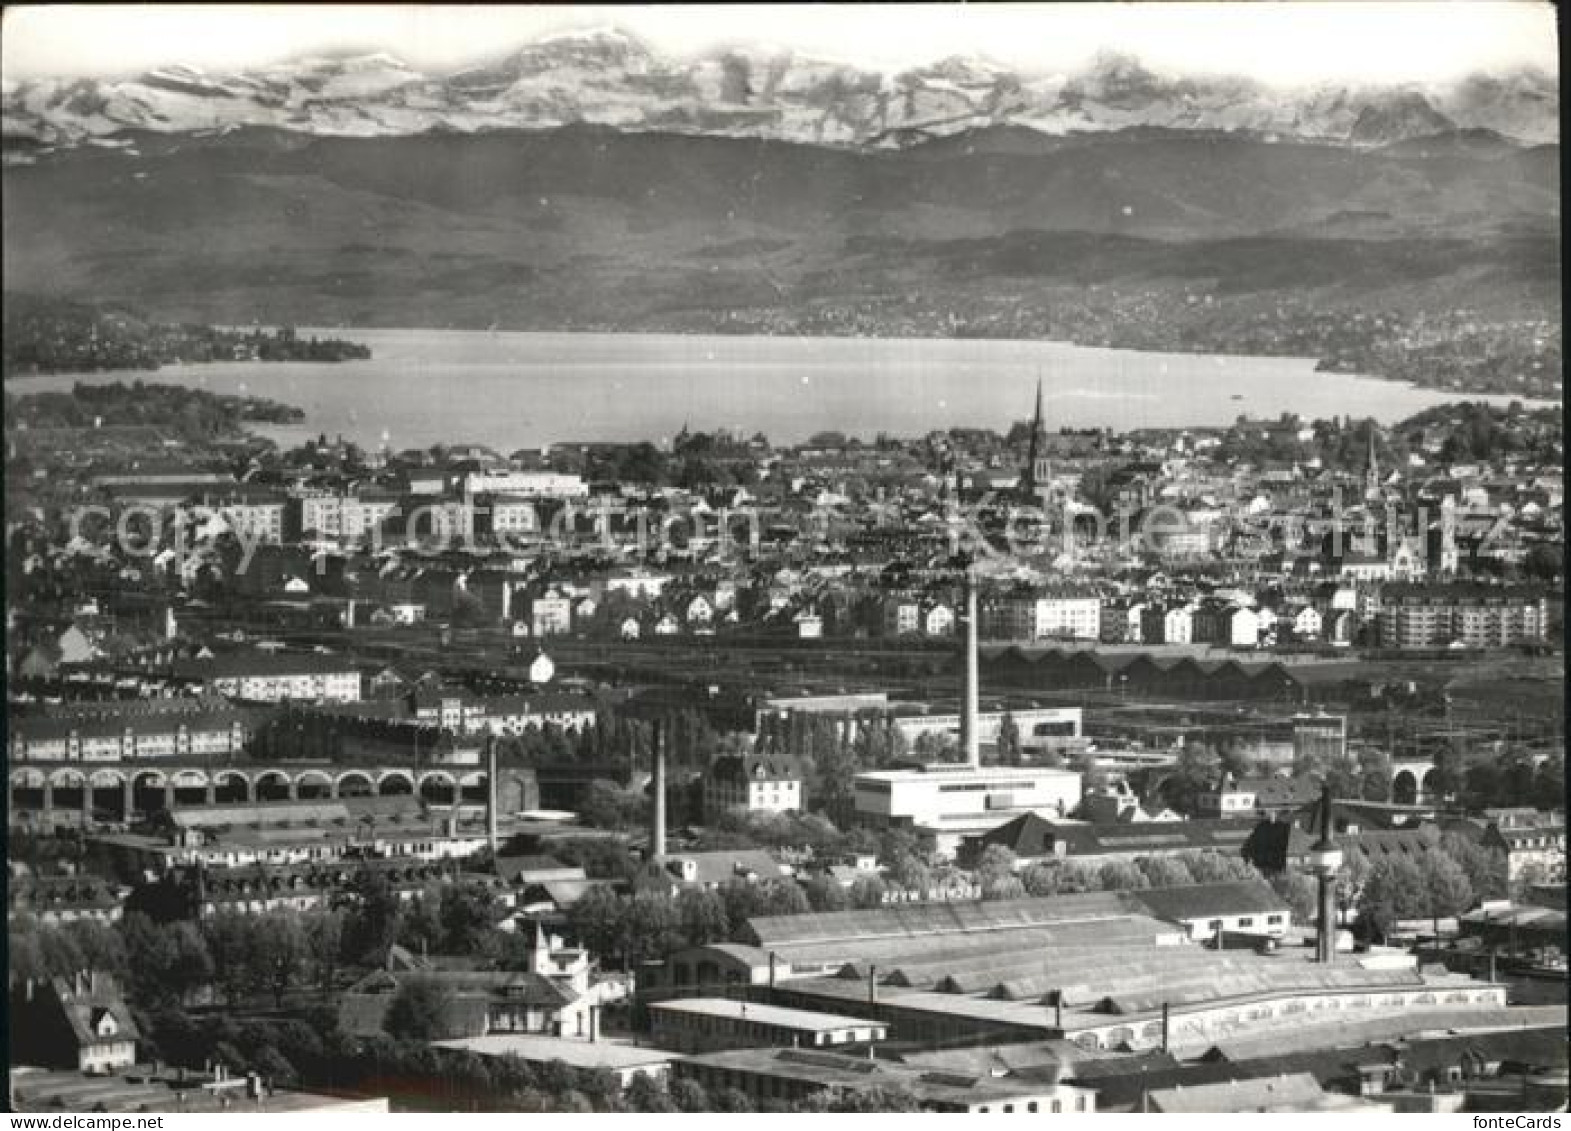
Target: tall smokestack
(970, 745)
(1325, 860)
(491, 796)
(657, 835)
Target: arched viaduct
(84, 794)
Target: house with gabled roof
(555, 995)
(753, 783)
(79, 1022)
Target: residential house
(79, 1022)
(752, 783)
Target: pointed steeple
(1372, 469)
(1036, 474)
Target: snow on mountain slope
(606, 77)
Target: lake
(513, 390)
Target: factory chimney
(491, 790)
(657, 834)
(970, 745)
(1325, 860)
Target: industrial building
(708, 1023)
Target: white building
(638, 585)
(274, 677)
(1071, 615)
(528, 484)
(953, 801)
(551, 615)
(752, 784)
(939, 621)
(1178, 626)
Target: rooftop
(803, 1019)
(144, 1090)
(577, 1054)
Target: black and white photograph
(787, 558)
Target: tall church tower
(1037, 474)
(1372, 488)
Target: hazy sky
(1283, 42)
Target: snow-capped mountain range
(608, 78)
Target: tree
(418, 1011)
(601, 858)
(279, 951)
(701, 917)
(372, 912)
(909, 872)
(1041, 879)
(231, 945)
(1447, 887)
(868, 891)
(167, 962)
(1374, 774)
(596, 921)
(689, 1096)
(420, 922)
(1166, 872)
(607, 805)
(1393, 890)
(1215, 868)
(1008, 887)
(882, 1098)
(324, 941)
(824, 894)
(730, 1100)
(1196, 768)
(1121, 875)
(1078, 876)
(648, 928)
(995, 872)
(466, 917)
(643, 1094)
(1544, 561)
(1486, 869)
(190, 966)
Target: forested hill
(53, 335)
(1434, 261)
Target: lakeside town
(1023, 770)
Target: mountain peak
(602, 75)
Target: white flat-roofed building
(701, 1024)
(623, 1061)
(952, 801)
(529, 484)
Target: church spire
(1036, 474)
(1372, 469)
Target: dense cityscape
(1024, 770)
(837, 559)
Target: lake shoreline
(721, 332)
(1318, 363)
(512, 389)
